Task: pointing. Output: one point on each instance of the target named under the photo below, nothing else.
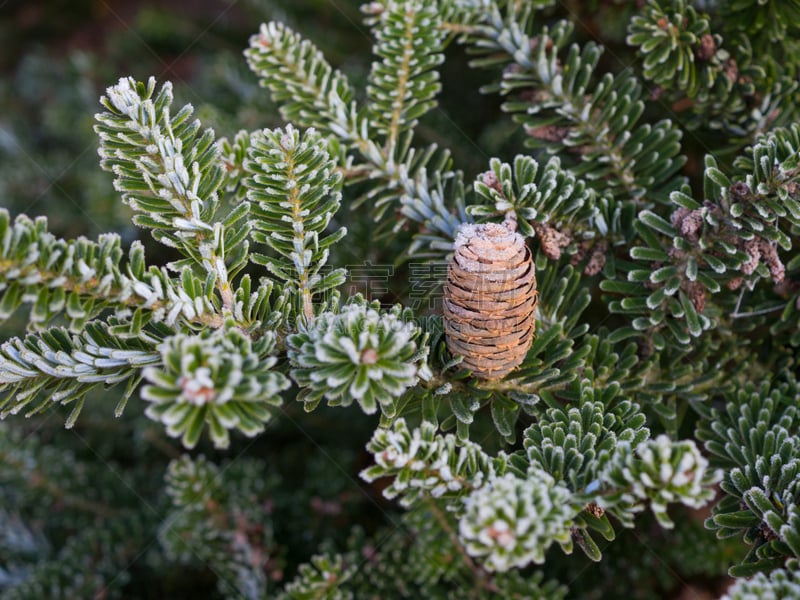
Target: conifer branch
(215, 519)
(564, 111)
(322, 577)
(80, 278)
(358, 354)
(721, 81)
(479, 575)
(781, 583)
(294, 192)
(54, 367)
(731, 238)
(403, 83)
(425, 464)
(768, 24)
(544, 199)
(171, 177)
(677, 46)
(75, 501)
(585, 436)
(754, 438)
(313, 95)
(222, 379)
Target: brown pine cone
(490, 300)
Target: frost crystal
(510, 522)
(219, 378)
(358, 354)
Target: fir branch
(294, 192)
(754, 438)
(677, 46)
(514, 585)
(403, 83)
(56, 368)
(80, 278)
(572, 440)
(170, 176)
(730, 238)
(26, 460)
(665, 382)
(681, 271)
(480, 576)
(781, 583)
(737, 89)
(265, 309)
(510, 522)
(94, 561)
(425, 464)
(221, 379)
(769, 24)
(543, 200)
(436, 202)
(216, 518)
(358, 354)
(655, 472)
(569, 443)
(324, 577)
(86, 531)
(233, 154)
(313, 95)
(563, 111)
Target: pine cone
(490, 300)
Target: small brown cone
(490, 300)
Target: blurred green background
(58, 57)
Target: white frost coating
(491, 242)
(123, 96)
(510, 522)
(482, 233)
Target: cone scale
(490, 300)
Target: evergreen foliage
(671, 38)
(281, 161)
(661, 381)
(357, 354)
(215, 525)
(779, 584)
(510, 522)
(221, 379)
